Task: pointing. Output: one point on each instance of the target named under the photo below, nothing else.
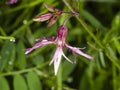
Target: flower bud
(50, 8)
(43, 17)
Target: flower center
(62, 32)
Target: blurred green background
(100, 34)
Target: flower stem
(90, 33)
(59, 79)
(111, 58)
(65, 21)
(114, 74)
(26, 70)
(83, 24)
(7, 37)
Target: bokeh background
(18, 31)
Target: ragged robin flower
(52, 16)
(60, 41)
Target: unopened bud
(50, 8)
(52, 20)
(43, 17)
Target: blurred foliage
(100, 34)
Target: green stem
(22, 28)
(114, 77)
(25, 70)
(7, 37)
(2, 32)
(114, 61)
(111, 58)
(90, 33)
(83, 24)
(28, 5)
(59, 79)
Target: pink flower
(11, 2)
(43, 17)
(51, 17)
(60, 41)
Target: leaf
(99, 82)
(30, 36)
(102, 60)
(19, 83)
(87, 78)
(112, 53)
(11, 58)
(84, 82)
(33, 81)
(5, 54)
(21, 55)
(4, 84)
(116, 22)
(92, 20)
(116, 44)
(67, 68)
(38, 59)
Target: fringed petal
(37, 45)
(66, 58)
(78, 51)
(82, 53)
(56, 59)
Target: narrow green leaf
(67, 68)
(102, 60)
(85, 83)
(21, 55)
(112, 53)
(33, 81)
(4, 84)
(30, 36)
(87, 78)
(92, 20)
(117, 44)
(116, 22)
(99, 82)
(97, 60)
(11, 58)
(19, 83)
(5, 54)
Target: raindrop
(12, 40)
